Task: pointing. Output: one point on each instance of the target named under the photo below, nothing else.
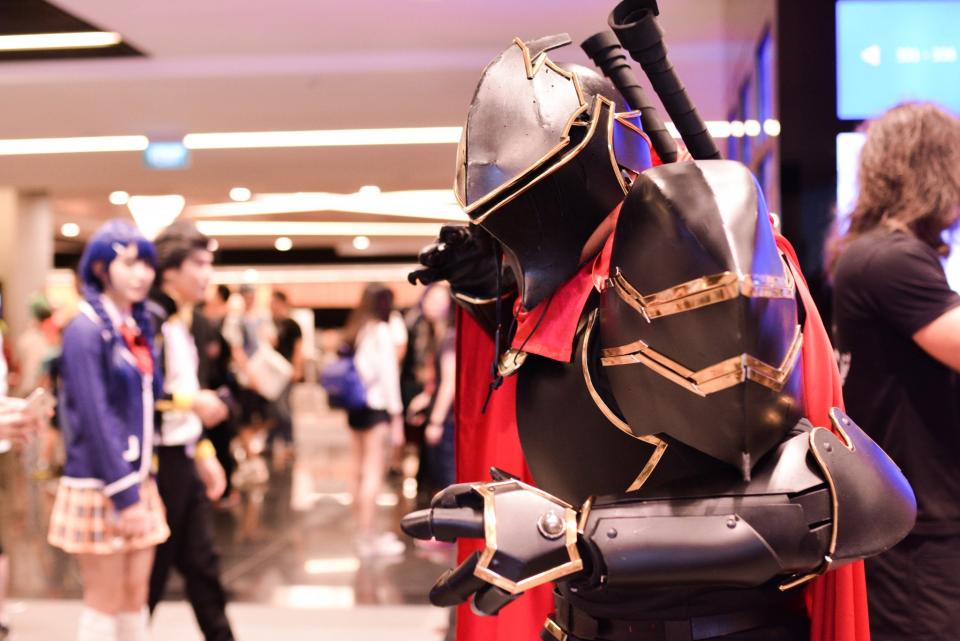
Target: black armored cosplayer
(681, 493)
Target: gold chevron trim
(714, 378)
(703, 291)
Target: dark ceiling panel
(36, 16)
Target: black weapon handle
(605, 51)
(634, 22)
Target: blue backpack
(341, 380)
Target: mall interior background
(315, 142)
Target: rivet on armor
(731, 522)
(828, 447)
(551, 525)
(612, 533)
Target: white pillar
(26, 253)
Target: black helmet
(541, 161)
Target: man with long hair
(897, 325)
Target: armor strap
(569, 623)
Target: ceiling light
(68, 40)
(771, 127)
(89, 144)
(153, 213)
(751, 128)
(119, 197)
(324, 138)
(430, 204)
(737, 128)
(70, 230)
(283, 244)
(240, 194)
(222, 228)
(312, 275)
(361, 243)
(369, 190)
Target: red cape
(837, 601)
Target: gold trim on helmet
(532, 67)
(714, 378)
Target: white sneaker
(386, 544)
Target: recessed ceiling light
(771, 127)
(752, 128)
(283, 244)
(240, 194)
(361, 243)
(68, 40)
(369, 190)
(119, 198)
(70, 230)
(737, 128)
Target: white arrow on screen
(871, 55)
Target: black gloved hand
(464, 256)
(531, 540)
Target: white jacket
(375, 357)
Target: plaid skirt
(83, 521)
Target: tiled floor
(287, 555)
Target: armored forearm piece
(816, 501)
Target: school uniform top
(107, 409)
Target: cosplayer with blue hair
(107, 510)
(102, 249)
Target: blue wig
(102, 248)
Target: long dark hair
(102, 249)
(909, 177)
(376, 303)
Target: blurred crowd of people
(161, 398)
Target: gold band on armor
(714, 378)
(703, 291)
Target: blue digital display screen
(890, 51)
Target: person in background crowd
(35, 347)
(290, 346)
(897, 326)
(215, 373)
(429, 382)
(19, 424)
(368, 335)
(188, 474)
(107, 512)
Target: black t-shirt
(889, 285)
(288, 333)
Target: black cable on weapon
(605, 51)
(496, 380)
(635, 24)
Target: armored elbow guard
(816, 501)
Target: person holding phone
(107, 511)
